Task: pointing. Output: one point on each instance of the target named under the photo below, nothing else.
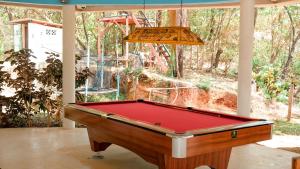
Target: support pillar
(247, 10)
(68, 59)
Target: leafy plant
(204, 85)
(23, 83)
(133, 72)
(82, 75)
(3, 76)
(36, 91)
(232, 73)
(268, 79)
(105, 97)
(51, 75)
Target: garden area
(204, 77)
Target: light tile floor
(58, 148)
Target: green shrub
(105, 97)
(133, 72)
(283, 127)
(268, 80)
(204, 85)
(283, 96)
(232, 73)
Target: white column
(245, 59)
(68, 59)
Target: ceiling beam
(41, 6)
(90, 8)
(259, 3)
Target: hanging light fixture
(165, 35)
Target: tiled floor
(58, 148)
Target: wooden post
(197, 57)
(127, 44)
(24, 35)
(172, 17)
(296, 163)
(99, 43)
(290, 104)
(191, 57)
(173, 22)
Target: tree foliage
(269, 81)
(36, 91)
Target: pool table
(168, 136)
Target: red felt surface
(169, 118)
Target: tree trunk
(181, 20)
(290, 56)
(217, 58)
(159, 18)
(297, 92)
(290, 103)
(276, 45)
(180, 62)
(84, 28)
(218, 20)
(81, 44)
(292, 47)
(9, 14)
(255, 16)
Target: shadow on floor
(291, 149)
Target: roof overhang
(27, 20)
(119, 2)
(93, 5)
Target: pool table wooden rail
(250, 123)
(157, 147)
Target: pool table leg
(215, 160)
(97, 145)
